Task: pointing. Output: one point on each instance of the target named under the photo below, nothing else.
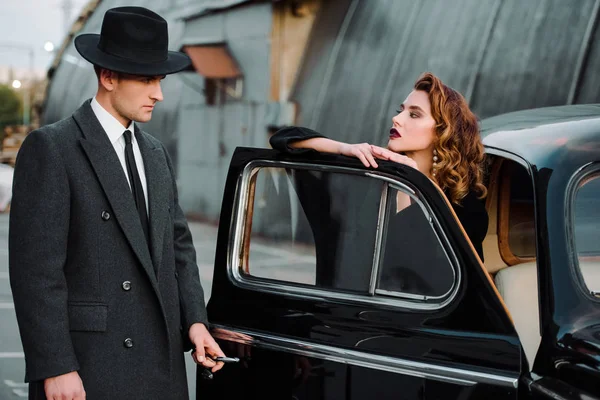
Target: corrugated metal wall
(532, 55)
(503, 55)
(362, 59)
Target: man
(102, 265)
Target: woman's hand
(362, 151)
(385, 154)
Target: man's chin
(144, 117)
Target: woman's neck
(424, 160)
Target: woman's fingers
(404, 160)
(369, 156)
(385, 154)
(362, 151)
(359, 154)
(381, 153)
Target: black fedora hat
(133, 40)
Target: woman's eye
(413, 115)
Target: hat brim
(87, 46)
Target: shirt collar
(111, 125)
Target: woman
(435, 132)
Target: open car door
(334, 281)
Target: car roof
(547, 137)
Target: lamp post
(27, 93)
(49, 47)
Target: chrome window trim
(378, 239)
(592, 168)
(391, 181)
(235, 258)
(435, 227)
(359, 358)
(434, 224)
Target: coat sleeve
(191, 294)
(38, 237)
(283, 137)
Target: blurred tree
(10, 109)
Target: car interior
(510, 248)
(511, 217)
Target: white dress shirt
(115, 130)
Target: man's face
(133, 97)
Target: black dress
(471, 212)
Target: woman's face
(413, 128)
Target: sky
(32, 23)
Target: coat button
(128, 343)
(126, 286)
(105, 215)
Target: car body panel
(308, 344)
(557, 144)
(448, 340)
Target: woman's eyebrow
(412, 107)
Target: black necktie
(136, 185)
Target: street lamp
(28, 91)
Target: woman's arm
(321, 144)
(297, 140)
(286, 140)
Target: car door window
(340, 231)
(414, 263)
(314, 227)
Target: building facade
(338, 66)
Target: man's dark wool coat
(90, 295)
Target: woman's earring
(435, 158)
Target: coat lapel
(158, 182)
(108, 168)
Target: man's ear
(107, 79)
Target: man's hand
(205, 344)
(64, 387)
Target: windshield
(587, 230)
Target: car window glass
(314, 228)
(586, 229)
(414, 264)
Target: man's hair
(98, 71)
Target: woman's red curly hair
(459, 168)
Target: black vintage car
(321, 296)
